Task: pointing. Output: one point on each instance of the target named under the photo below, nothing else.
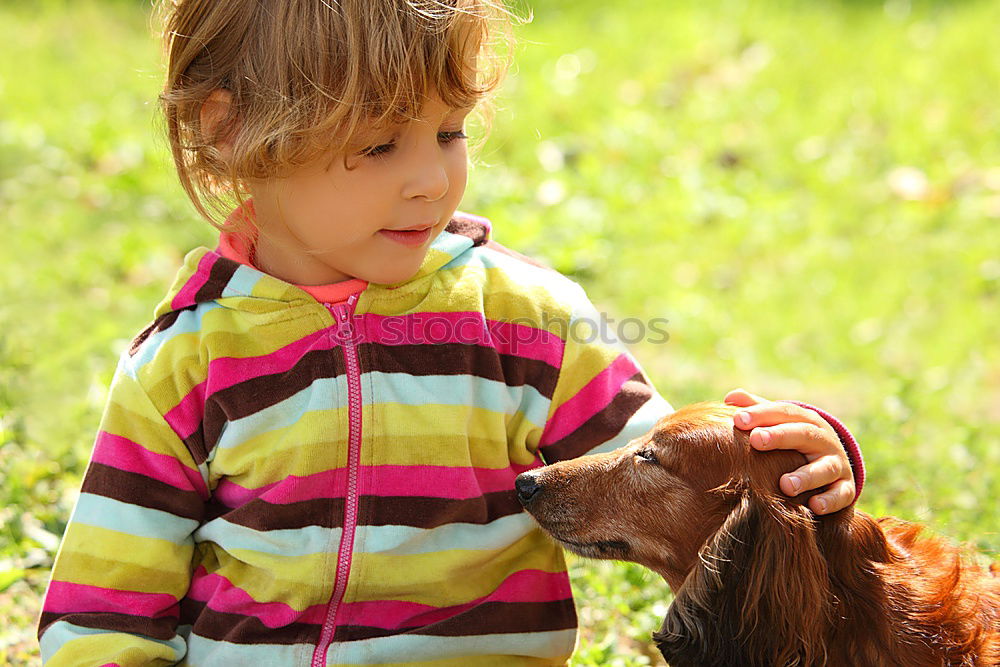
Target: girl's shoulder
(503, 272)
(218, 308)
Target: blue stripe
(413, 648)
(464, 390)
(322, 394)
(60, 633)
(405, 540)
(189, 321)
(290, 542)
(397, 540)
(391, 389)
(451, 244)
(111, 514)
(243, 281)
(204, 652)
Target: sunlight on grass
(808, 192)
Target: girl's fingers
(837, 497)
(813, 475)
(828, 471)
(780, 425)
(743, 398)
(812, 440)
(771, 413)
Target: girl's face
(328, 222)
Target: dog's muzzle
(527, 487)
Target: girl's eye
(375, 151)
(448, 137)
(647, 456)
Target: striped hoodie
(278, 481)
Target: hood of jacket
(208, 276)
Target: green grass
(730, 166)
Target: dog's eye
(647, 456)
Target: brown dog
(759, 580)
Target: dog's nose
(526, 487)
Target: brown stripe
(484, 619)
(157, 628)
(604, 425)
(256, 394)
(163, 322)
(260, 515)
(263, 391)
(239, 629)
(415, 511)
(470, 228)
(136, 489)
(213, 422)
(219, 276)
(195, 444)
(422, 512)
(462, 359)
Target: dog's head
(693, 501)
(657, 500)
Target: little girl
(308, 457)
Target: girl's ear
(757, 596)
(213, 117)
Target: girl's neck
(298, 267)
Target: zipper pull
(345, 330)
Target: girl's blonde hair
(307, 76)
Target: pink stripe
(467, 327)
(124, 454)
(185, 417)
(594, 397)
(425, 481)
(68, 598)
(221, 595)
(225, 372)
(439, 481)
(232, 494)
(185, 297)
(527, 341)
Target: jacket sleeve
(125, 559)
(602, 398)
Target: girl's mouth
(410, 239)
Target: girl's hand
(776, 425)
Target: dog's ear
(757, 596)
(856, 551)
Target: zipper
(345, 336)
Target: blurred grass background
(808, 192)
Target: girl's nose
(428, 178)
